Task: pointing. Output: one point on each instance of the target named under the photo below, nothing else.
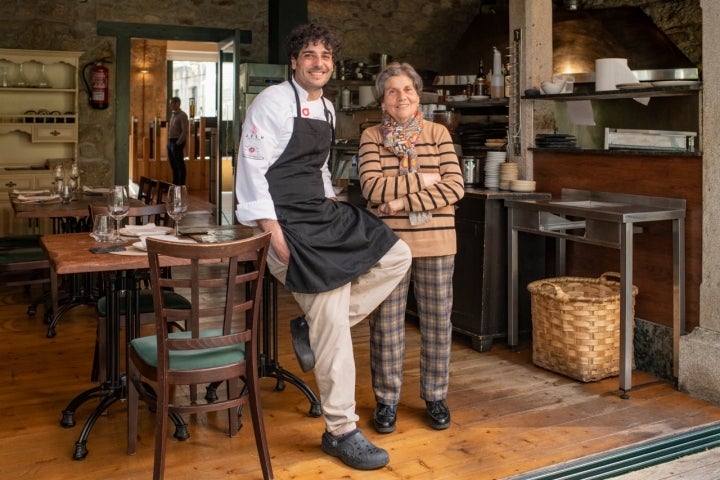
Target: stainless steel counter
(609, 220)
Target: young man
(338, 260)
(178, 129)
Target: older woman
(410, 173)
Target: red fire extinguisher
(98, 93)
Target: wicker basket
(576, 325)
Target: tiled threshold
(632, 458)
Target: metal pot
(448, 118)
(470, 170)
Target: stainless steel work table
(604, 219)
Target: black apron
(330, 242)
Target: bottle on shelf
(345, 98)
(497, 82)
(480, 81)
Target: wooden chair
(146, 190)
(23, 262)
(162, 191)
(146, 308)
(219, 345)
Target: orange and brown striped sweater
(380, 182)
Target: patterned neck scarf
(400, 139)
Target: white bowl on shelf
(551, 88)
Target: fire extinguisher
(98, 93)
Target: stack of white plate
(492, 168)
(508, 172)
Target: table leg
(678, 290)
(268, 364)
(626, 308)
(111, 390)
(512, 260)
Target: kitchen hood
(582, 36)
(579, 38)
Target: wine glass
(118, 207)
(177, 204)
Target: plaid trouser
(432, 280)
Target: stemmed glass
(118, 207)
(177, 204)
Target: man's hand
(277, 240)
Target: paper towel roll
(609, 72)
(367, 95)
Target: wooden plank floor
(508, 415)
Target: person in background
(338, 260)
(177, 135)
(410, 174)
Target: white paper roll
(609, 72)
(367, 95)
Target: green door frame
(124, 32)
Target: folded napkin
(37, 198)
(87, 189)
(143, 230)
(30, 192)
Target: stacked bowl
(508, 172)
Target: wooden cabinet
(38, 122)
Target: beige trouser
(330, 316)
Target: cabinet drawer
(20, 182)
(54, 133)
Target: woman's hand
(392, 207)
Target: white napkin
(144, 230)
(37, 198)
(85, 188)
(30, 192)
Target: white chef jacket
(265, 134)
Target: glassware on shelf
(177, 205)
(43, 81)
(58, 172)
(118, 207)
(21, 78)
(75, 175)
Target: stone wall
(418, 32)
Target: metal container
(469, 166)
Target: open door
(222, 171)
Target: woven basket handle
(604, 277)
(555, 290)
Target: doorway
(162, 69)
(129, 71)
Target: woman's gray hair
(396, 69)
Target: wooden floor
(508, 416)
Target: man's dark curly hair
(310, 34)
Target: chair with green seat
(137, 216)
(220, 344)
(23, 262)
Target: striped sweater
(380, 182)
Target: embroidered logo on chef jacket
(251, 144)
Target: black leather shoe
(300, 331)
(439, 414)
(384, 418)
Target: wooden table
(66, 217)
(70, 253)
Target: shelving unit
(38, 122)
(672, 108)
